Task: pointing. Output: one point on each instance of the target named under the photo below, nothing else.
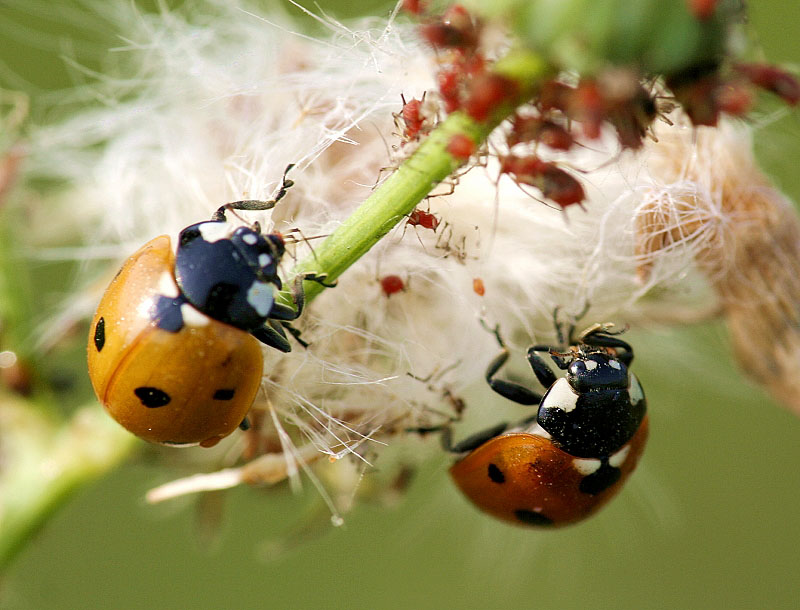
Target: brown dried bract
(744, 236)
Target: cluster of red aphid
(618, 100)
(615, 97)
(705, 93)
(464, 80)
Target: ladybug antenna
(289, 235)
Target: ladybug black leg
(287, 313)
(598, 338)
(283, 314)
(295, 333)
(561, 362)
(473, 441)
(543, 373)
(468, 444)
(568, 337)
(272, 334)
(320, 279)
(508, 389)
(256, 204)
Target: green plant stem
(46, 460)
(414, 180)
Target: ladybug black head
(597, 371)
(228, 276)
(261, 252)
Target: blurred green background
(708, 521)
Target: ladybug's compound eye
(597, 371)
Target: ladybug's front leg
(256, 204)
(600, 338)
(286, 313)
(543, 373)
(272, 334)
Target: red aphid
(414, 7)
(421, 218)
(698, 97)
(774, 79)
(478, 287)
(631, 115)
(702, 9)
(412, 117)
(555, 95)
(456, 30)
(734, 98)
(561, 187)
(486, 92)
(587, 105)
(450, 80)
(536, 129)
(392, 284)
(554, 183)
(461, 147)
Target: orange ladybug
(561, 465)
(175, 345)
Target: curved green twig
(431, 163)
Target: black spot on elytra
(530, 517)
(152, 397)
(224, 394)
(600, 480)
(496, 475)
(100, 334)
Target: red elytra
(540, 483)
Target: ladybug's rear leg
(468, 444)
(473, 441)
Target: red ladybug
(564, 463)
